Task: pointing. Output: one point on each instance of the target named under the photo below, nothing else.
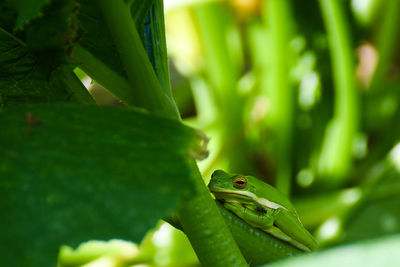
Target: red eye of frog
(240, 182)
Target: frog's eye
(240, 182)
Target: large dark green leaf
(72, 173)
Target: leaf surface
(378, 252)
(71, 173)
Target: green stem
(206, 230)
(159, 47)
(336, 155)
(257, 246)
(148, 92)
(281, 93)
(102, 74)
(200, 219)
(71, 82)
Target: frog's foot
(290, 224)
(276, 232)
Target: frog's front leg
(254, 217)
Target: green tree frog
(262, 206)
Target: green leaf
(8, 16)
(44, 24)
(72, 173)
(379, 252)
(57, 31)
(34, 64)
(25, 77)
(28, 10)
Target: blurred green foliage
(304, 95)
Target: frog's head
(233, 187)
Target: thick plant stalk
(102, 74)
(207, 232)
(148, 92)
(281, 93)
(336, 155)
(199, 216)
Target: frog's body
(262, 206)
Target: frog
(262, 206)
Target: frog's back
(272, 194)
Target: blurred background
(304, 95)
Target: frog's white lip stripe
(262, 201)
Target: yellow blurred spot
(247, 8)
